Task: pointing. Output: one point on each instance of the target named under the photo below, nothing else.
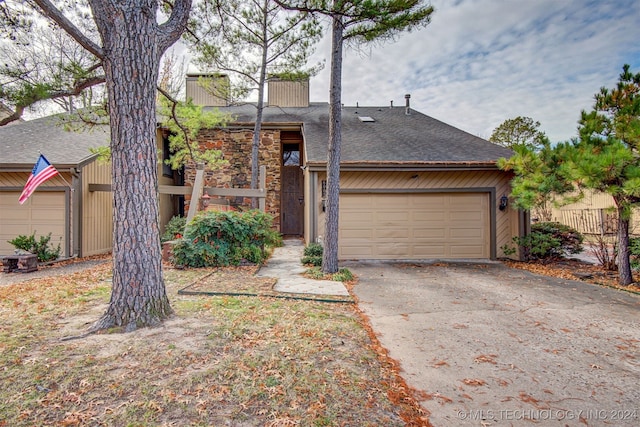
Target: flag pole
(61, 177)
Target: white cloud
(481, 62)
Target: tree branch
(79, 87)
(52, 12)
(170, 31)
(174, 115)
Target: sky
(481, 62)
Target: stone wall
(236, 150)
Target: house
(75, 206)
(411, 187)
(76, 218)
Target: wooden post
(198, 185)
(262, 179)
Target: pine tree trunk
(131, 64)
(624, 264)
(255, 143)
(330, 254)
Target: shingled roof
(21, 144)
(380, 135)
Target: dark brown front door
(292, 201)
(292, 195)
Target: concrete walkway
(285, 265)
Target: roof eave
(408, 166)
(28, 167)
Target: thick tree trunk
(131, 62)
(330, 254)
(624, 264)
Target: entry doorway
(292, 188)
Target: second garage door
(414, 226)
(44, 212)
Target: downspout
(313, 206)
(76, 209)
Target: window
(291, 154)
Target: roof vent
(407, 110)
(366, 119)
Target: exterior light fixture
(204, 200)
(504, 202)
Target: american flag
(41, 172)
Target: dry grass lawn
(220, 361)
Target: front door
(292, 195)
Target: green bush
(312, 255)
(315, 273)
(216, 239)
(550, 240)
(39, 247)
(174, 228)
(313, 249)
(343, 275)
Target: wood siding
(97, 210)
(284, 93)
(201, 96)
(506, 222)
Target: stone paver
(284, 264)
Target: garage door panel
(415, 226)
(466, 233)
(434, 200)
(392, 233)
(428, 216)
(355, 201)
(392, 216)
(393, 250)
(465, 251)
(427, 251)
(47, 215)
(392, 203)
(429, 233)
(358, 251)
(358, 234)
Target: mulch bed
(242, 281)
(572, 269)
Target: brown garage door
(42, 213)
(414, 226)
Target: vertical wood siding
(97, 210)
(284, 93)
(506, 221)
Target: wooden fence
(601, 222)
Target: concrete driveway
(488, 345)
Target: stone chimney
(288, 93)
(208, 90)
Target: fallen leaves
(476, 382)
(486, 358)
(249, 360)
(571, 269)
